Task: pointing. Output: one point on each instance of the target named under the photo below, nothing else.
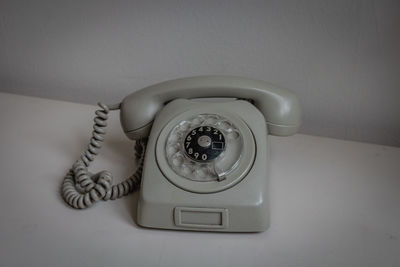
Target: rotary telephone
(203, 165)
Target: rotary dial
(205, 147)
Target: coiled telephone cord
(81, 189)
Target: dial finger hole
(171, 150)
(201, 173)
(233, 135)
(177, 161)
(187, 170)
(210, 121)
(224, 125)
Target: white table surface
(333, 202)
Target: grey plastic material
(280, 106)
(242, 207)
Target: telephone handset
(206, 165)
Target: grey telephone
(206, 165)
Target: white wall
(340, 57)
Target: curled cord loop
(81, 189)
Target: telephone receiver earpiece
(279, 106)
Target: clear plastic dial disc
(206, 147)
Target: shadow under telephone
(202, 165)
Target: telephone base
(241, 206)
